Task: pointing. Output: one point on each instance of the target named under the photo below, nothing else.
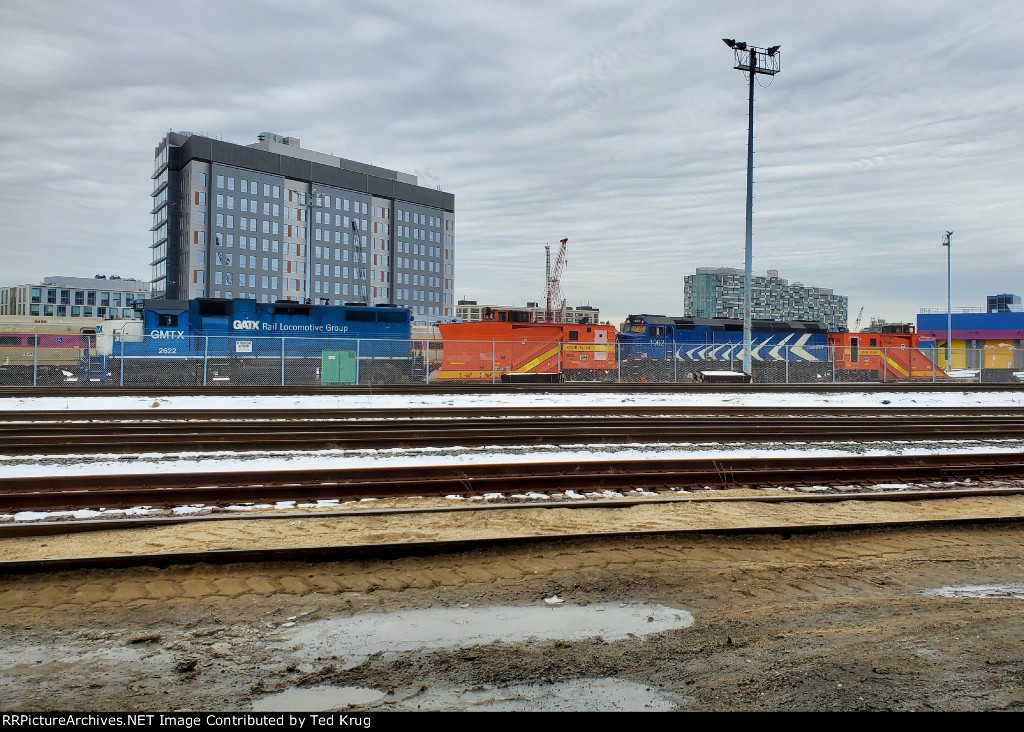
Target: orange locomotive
(508, 345)
(894, 352)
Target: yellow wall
(997, 354)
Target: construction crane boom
(856, 323)
(555, 305)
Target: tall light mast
(753, 61)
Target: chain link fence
(198, 361)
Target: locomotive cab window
(874, 341)
(574, 335)
(167, 320)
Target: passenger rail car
(51, 357)
(509, 345)
(243, 341)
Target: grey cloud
(621, 126)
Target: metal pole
(789, 353)
(206, 356)
(885, 363)
(35, 356)
(748, 245)
(949, 299)
(357, 361)
(426, 364)
(121, 335)
(282, 360)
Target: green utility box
(338, 367)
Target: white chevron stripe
(799, 352)
(756, 348)
(774, 353)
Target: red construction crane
(555, 305)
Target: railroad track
(228, 488)
(370, 547)
(262, 430)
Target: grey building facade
(470, 311)
(75, 297)
(272, 221)
(717, 292)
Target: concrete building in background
(76, 297)
(273, 221)
(717, 292)
(470, 311)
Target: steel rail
(15, 420)
(219, 488)
(264, 437)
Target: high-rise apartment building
(273, 221)
(717, 292)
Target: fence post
(935, 355)
(282, 360)
(35, 357)
(789, 353)
(121, 341)
(426, 363)
(493, 356)
(357, 361)
(559, 358)
(835, 355)
(206, 355)
(618, 367)
(885, 363)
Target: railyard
(528, 578)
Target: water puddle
(577, 695)
(317, 699)
(354, 639)
(1013, 591)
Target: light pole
(947, 242)
(754, 61)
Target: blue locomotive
(243, 341)
(644, 337)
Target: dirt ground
(914, 619)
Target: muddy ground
(915, 619)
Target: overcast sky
(620, 125)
